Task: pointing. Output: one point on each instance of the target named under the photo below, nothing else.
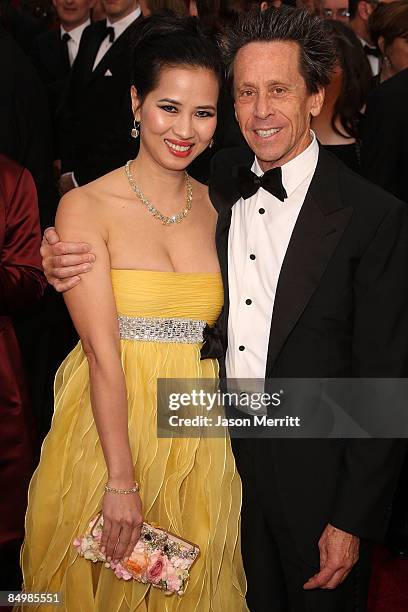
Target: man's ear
(136, 103)
(317, 102)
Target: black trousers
(274, 569)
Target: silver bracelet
(134, 489)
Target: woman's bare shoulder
(112, 184)
(95, 197)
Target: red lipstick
(171, 144)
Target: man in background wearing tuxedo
(54, 53)
(97, 115)
(360, 11)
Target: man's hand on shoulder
(63, 262)
(339, 551)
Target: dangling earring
(135, 130)
(210, 146)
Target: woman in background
(337, 125)
(388, 26)
(384, 152)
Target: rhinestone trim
(186, 331)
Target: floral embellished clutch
(159, 558)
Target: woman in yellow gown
(104, 428)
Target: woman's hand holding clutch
(122, 523)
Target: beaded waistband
(186, 331)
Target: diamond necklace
(177, 218)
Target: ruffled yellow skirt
(188, 486)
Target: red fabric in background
(21, 285)
(389, 583)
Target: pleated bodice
(146, 293)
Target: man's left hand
(339, 552)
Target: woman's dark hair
(389, 21)
(165, 40)
(356, 77)
(285, 24)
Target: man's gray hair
(317, 54)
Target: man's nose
(263, 106)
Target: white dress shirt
(73, 43)
(260, 231)
(119, 27)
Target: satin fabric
(21, 285)
(189, 486)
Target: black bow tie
(109, 30)
(249, 183)
(372, 51)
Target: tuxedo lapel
(93, 44)
(221, 238)
(115, 50)
(318, 230)
(224, 194)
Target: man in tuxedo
(308, 270)
(360, 11)
(310, 254)
(97, 116)
(54, 52)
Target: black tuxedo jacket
(25, 126)
(384, 129)
(48, 57)
(97, 114)
(341, 310)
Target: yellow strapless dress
(188, 486)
